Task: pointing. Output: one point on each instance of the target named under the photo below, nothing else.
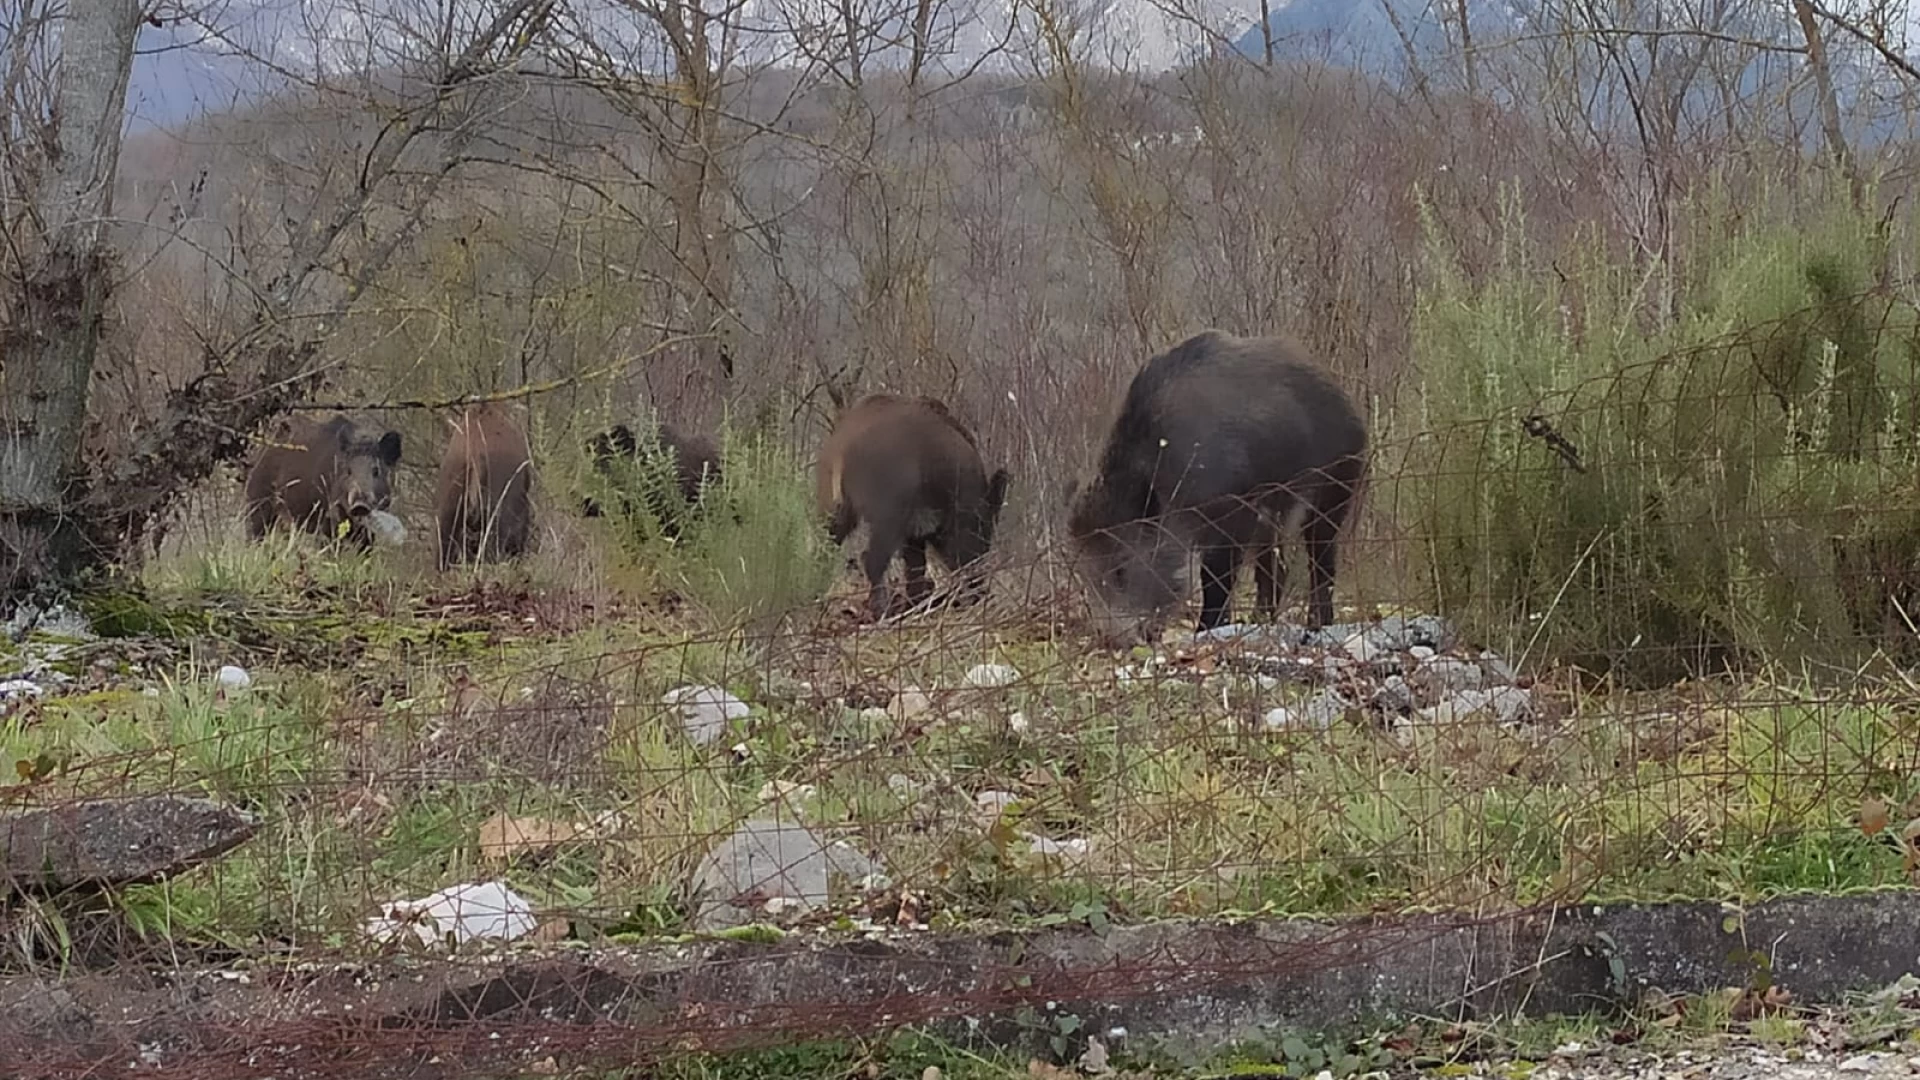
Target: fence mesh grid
(630, 800)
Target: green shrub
(754, 550)
(641, 493)
(1747, 424)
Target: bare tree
(65, 511)
(63, 271)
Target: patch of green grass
(1169, 798)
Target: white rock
(705, 711)
(908, 704)
(789, 791)
(1094, 1059)
(1421, 654)
(986, 676)
(1360, 648)
(1861, 1063)
(14, 688)
(1019, 724)
(233, 678)
(780, 905)
(1279, 719)
(482, 910)
(992, 804)
(387, 529)
(1074, 848)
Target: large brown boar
(329, 471)
(696, 466)
(484, 503)
(1219, 442)
(912, 472)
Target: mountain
(1380, 36)
(184, 70)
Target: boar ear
(390, 448)
(997, 488)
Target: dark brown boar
(912, 472)
(1220, 442)
(484, 502)
(328, 471)
(696, 465)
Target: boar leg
(1269, 578)
(919, 586)
(1218, 566)
(882, 543)
(1321, 533)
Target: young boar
(484, 503)
(1219, 442)
(912, 472)
(330, 471)
(696, 465)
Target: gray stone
(1498, 671)
(1286, 669)
(990, 676)
(1280, 636)
(55, 622)
(1445, 675)
(705, 711)
(387, 529)
(772, 861)
(992, 804)
(115, 841)
(1363, 646)
(1505, 705)
(1320, 712)
(1393, 696)
(1511, 705)
(1424, 631)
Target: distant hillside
(1379, 37)
(182, 72)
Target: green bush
(754, 551)
(1747, 423)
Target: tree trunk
(1829, 104)
(46, 355)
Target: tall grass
(1747, 425)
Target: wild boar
(484, 502)
(696, 465)
(912, 472)
(328, 472)
(1219, 443)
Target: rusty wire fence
(493, 824)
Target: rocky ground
(1706, 1063)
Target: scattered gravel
(1719, 1063)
